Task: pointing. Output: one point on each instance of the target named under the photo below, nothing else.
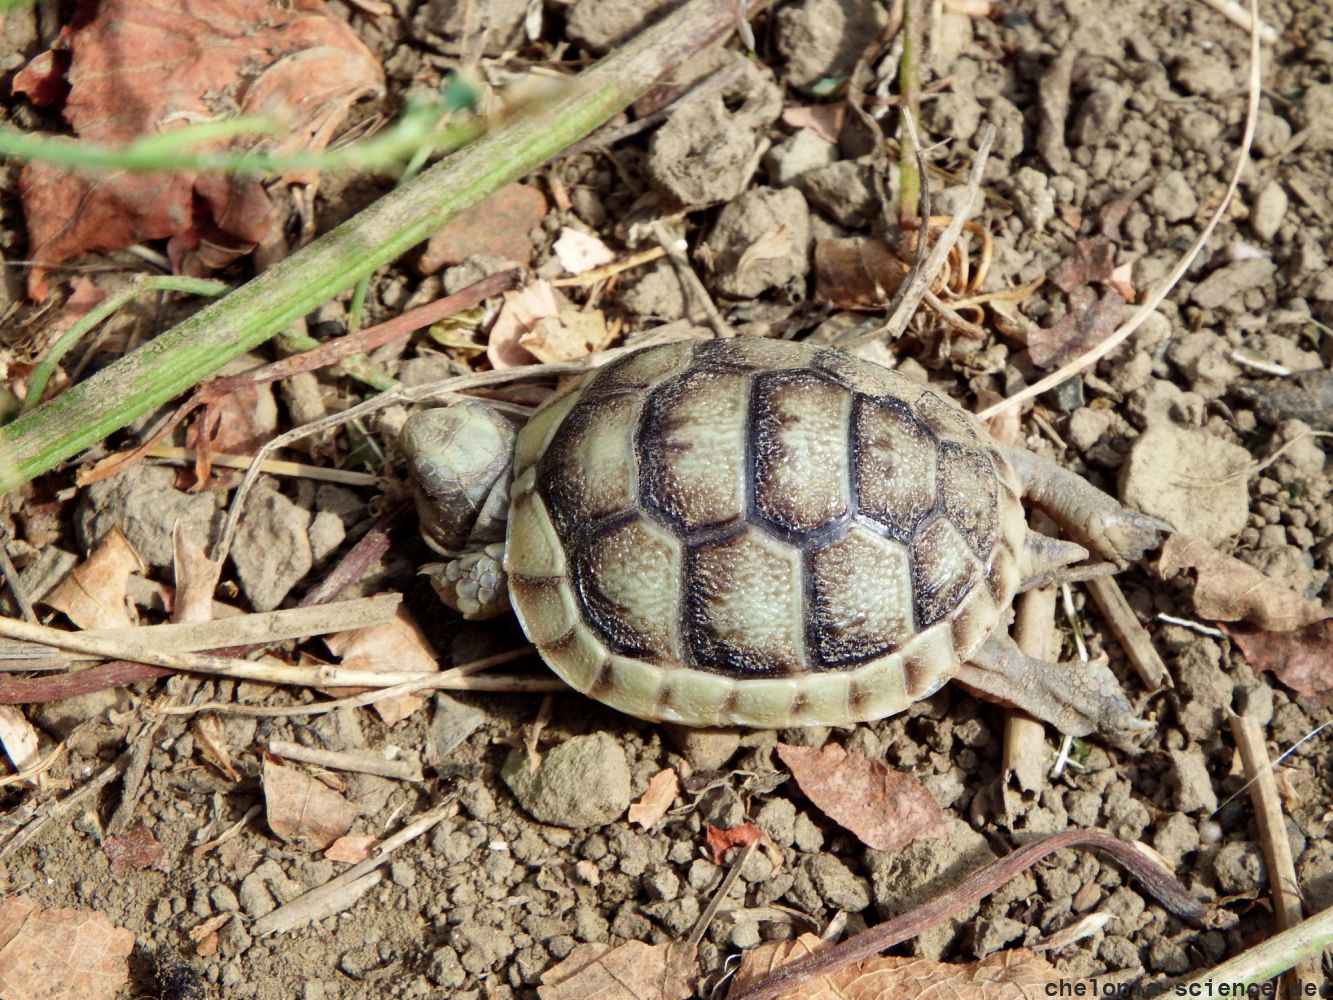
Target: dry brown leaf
(1090, 320)
(398, 645)
(578, 252)
(886, 809)
(770, 246)
(303, 809)
(631, 971)
(135, 850)
(518, 315)
(196, 579)
(60, 954)
(574, 333)
(93, 595)
(197, 62)
(18, 737)
(856, 273)
(1302, 659)
(1093, 259)
(496, 227)
(721, 841)
(654, 803)
(352, 850)
(1228, 590)
(824, 120)
(210, 735)
(1005, 975)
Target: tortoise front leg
(1076, 698)
(1094, 519)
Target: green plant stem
(41, 375)
(199, 346)
(1305, 942)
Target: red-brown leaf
(142, 67)
(721, 841)
(136, 850)
(1302, 659)
(50, 954)
(886, 809)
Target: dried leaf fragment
(496, 227)
(211, 735)
(631, 971)
(398, 645)
(197, 62)
(18, 738)
(721, 841)
(578, 252)
(1005, 975)
(656, 799)
(1302, 659)
(1228, 590)
(856, 273)
(136, 850)
(886, 809)
(352, 850)
(60, 954)
(300, 808)
(94, 593)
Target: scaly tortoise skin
(771, 533)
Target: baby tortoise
(763, 533)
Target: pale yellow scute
(945, 570)
(764, 703)
(800, 446)
(548, 609)
(747, 603)
(863, 596)
(579, 660)
(757, 353)
(536, 434)
(695, 698)
(634, 568)
(870, 378)
(824, 700)
(635, 687)
(927, 662)
(596, 471)
(879, 689)
(532, 548)
(694, 467)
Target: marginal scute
(549, 609)
(694, 697)
(639, 371)
(744, 597)
(692, 450)
(800, 450)
(635, 687)
(628, 575)
(868, 378)
(533, 548)
(945, 417)
(588, 472)
(929, 662)
(878, 689)
(535, 436)
(577, 657)
(863, 598)
(894, 460)
(764, 703)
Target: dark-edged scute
(691, 449)
(752, 354)
(862, 598)
(628, 577)
(589, 470)
(943, 570)
(744, 597)
(970, 493)
(894, 460)
(799, 433)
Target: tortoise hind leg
(1096, 520)
(1076, 698)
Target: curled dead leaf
(1302, 659)
(398, 645)
(300, 808)
(656, 800)
(856, 273)
(631, 971)
(1229, 590)
(136, 850)
(60, 953)
(94, 593)
(351, 850)
(886, 809)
